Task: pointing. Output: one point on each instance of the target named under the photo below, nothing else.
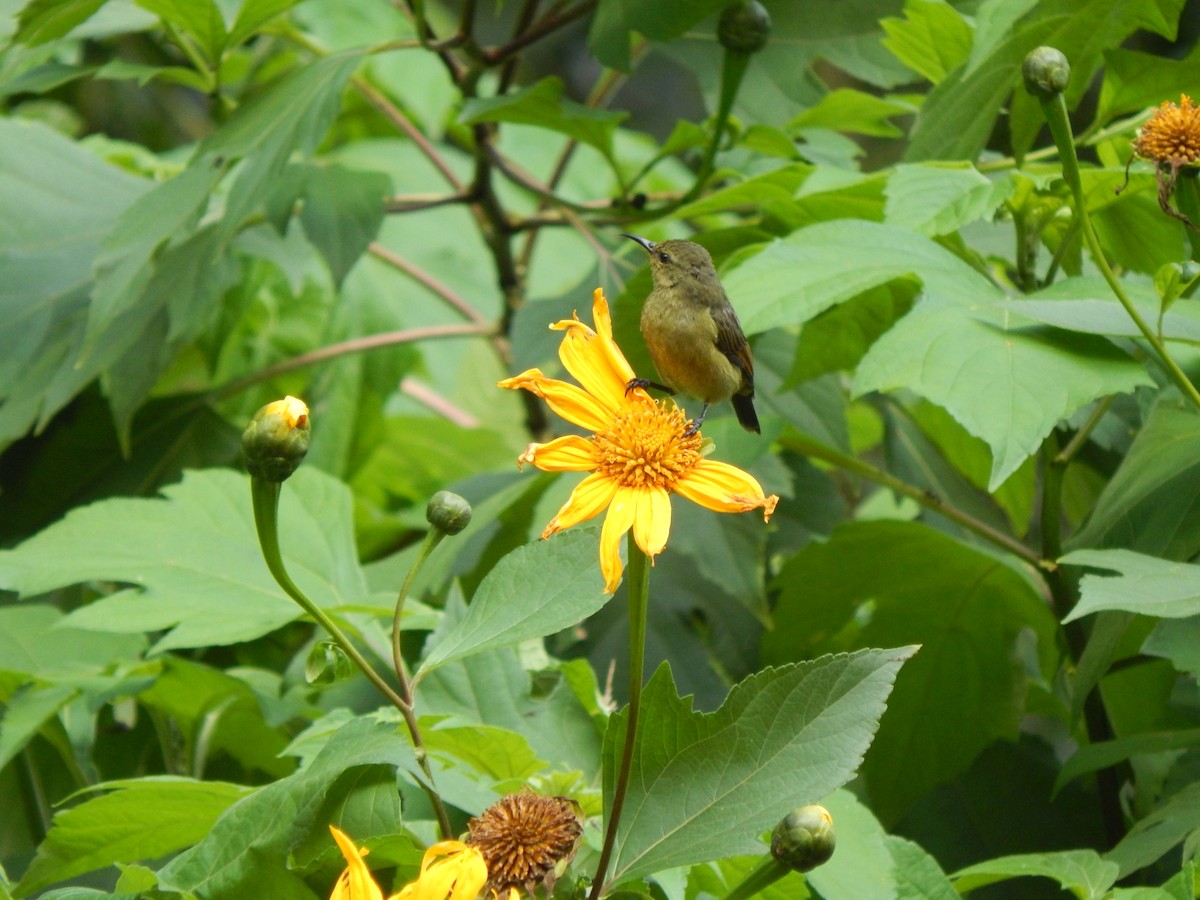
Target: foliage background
(208, 204)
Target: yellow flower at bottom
(450, 871)
(639, 453)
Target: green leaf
(69, 200)
(253, 15)
(886, 583)
(1134, 81)
(937, 199)
(35, 641)
(198, 19)
(917, 874)
(1082, 872)
(704, 785)
(1150, 503)
(542, 104)
(140, 819)
(534, 591)
(615, 22)
(42, 21)
(194, 560)
(1093, 757)
(863, 864)
(228, 862)
(854, 112)
(1177, 640)
(342, 212)
(27, 711)
(1146, 584)
(1152, 836)
(932, 39)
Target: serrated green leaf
(917, 874)
(342, 212)
(1152, 836)
(704, 785)
(536, 590)
(227, 862)
(1150, 503)
(35, 642)
(140, 819)
(934, 200)
(199, 20)
(836, 339)
(42, 21)
(542, 104)
(253, 15)
(1093, 757)
(69, 200)
(1134, 81)
(1145, 584)
(964, 608)
(932, 39)
(194, 558)
(855, 112)
(1082, 872)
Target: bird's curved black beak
(648, 246)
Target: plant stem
(1055, 110)
(432, 539)
(803, 444)
(638, 575)
(766, 873)
(265, 498)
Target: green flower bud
(448, 512)
(804, 838)
(744, 27)
(276, 439)
(1046, 72)
(327, 663)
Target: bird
(693, 334)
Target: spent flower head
(1171, 140)
(526, 840)
(639, 453)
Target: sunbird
(693, 334)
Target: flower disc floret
(647, 446)
(1172, 134)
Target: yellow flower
(450, 871)
(638, 454)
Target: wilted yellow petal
(588, 499)
(572, 403)
(569, 453)
(652, 521)
(355, 883)
(616, 523)
(724, 488)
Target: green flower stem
(801, 443)
(758, 879)
(265, 498)
(638, 580)
(432, 539)
(1187, 199)
(1055, 110)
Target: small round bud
(448, 512)
(1046, 72)
(744, 27)
(276, 439)
(327, 663)
(804, 838)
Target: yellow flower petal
(652, 521)
(588, 499)
(724, 488)
(355, 883)
(618, 521)
(593, 359)
(570, 453)
(572, 403)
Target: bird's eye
(664, 257)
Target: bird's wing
(733, 344)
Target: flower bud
(804, 838)
(327, 663)
(744, 27)
(448, 512)
(1046, 72)
(276, 439)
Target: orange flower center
(1172, 134)
(646, 446)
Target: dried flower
(526, 840)
(1171, 140)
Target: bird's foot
(645, 384)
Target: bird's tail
(743, 405)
